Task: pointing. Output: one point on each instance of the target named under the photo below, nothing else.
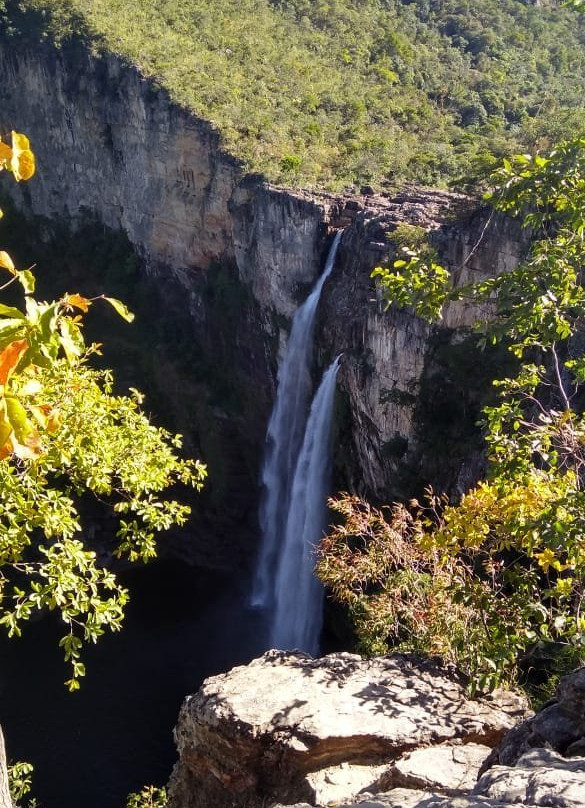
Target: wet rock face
(288, 727)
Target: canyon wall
(230, 257)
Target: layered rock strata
(539, 764)
(287, 727)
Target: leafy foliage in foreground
(500, 577)
(20, 784)
(64, 433)
(339, 92)
(148, 797)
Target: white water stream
(297, 617)
(284, 441)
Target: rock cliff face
(108, 143)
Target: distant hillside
(338, 92)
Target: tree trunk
(5, 801)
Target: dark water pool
(93, 747)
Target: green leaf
(18, 418)
(11, 311)
(121, 308)
(27, 281)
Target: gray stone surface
(527, 769)
(444, 768)
(289, 728)
(559, 726)
(557, 787)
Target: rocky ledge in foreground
(539, 764)
(289, 728)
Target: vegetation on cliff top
(330, 93)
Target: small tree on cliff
(64, 433)
(499, 577)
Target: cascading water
(297, 617)
(284, 438)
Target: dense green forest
(344, 92)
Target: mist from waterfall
(297, 617)
(284, 440)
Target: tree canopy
(342, 92)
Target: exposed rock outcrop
(288, 727)
(559, 725)
(540, 779)
(394, 732)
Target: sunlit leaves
(63, 433)
(100, 443)
(148, 797)
(6, 262)
(9, 359)
(121, 308)
(78, 302)
(18, 158)
(418, 280)
(22, 161)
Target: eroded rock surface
(287, 727)
(559, 726)
(539, 764)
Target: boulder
(538, 764)
(559, 725)
(289, 728)
(539, 778)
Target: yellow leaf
(5, 427)
(78, 301)
(40, 414)
(121, 308)
(5, 154)
(6, 262)
(5, 449)
(18, 417)
(22, 162)
(545, 559)
(20, 142)
(30, 449)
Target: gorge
(223, 260)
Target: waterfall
(299, 594)
(284, 439)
